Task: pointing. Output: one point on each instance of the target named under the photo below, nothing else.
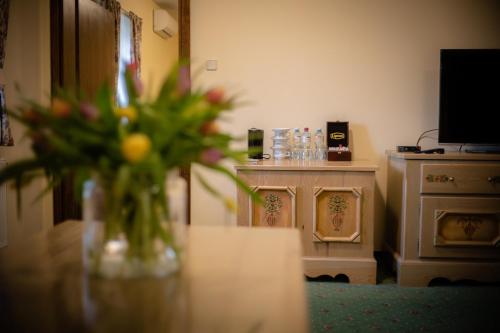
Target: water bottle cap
(306, 129)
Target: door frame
(184, 14)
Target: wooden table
(233, 280)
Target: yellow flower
(230, 205)
(136, 147)
(128, 112)
(197, 107)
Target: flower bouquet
(128, 152)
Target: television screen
(469, 103)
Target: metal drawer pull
(494, 179)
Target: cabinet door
(277, 209)
(460, 227)
(337, 214)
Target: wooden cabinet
(443, 216)
(331, 203)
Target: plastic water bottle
(296, 146)
(319, 145)
(306, 144)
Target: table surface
(294, 165)
(234, 279)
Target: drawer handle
(439, 178)
(494, 179)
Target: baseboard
(358, 270)
(419, 273)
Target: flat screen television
(469, 97)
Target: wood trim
(184, 29)
(63, 43)
(293, 165)
(184, 15)
(69, 44)
(55, 43)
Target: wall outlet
(211, 65)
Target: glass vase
(133, 231)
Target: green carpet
(386, 307)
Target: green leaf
(255, 197)
(206, 185)
(18, 169)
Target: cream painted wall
(27, 63)
(301, 63)
(157, 54)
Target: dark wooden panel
(69, 44)
(185, 53)
(64, 74)
(82, 57)
(184, 29)
(96, 49)
(55, 43)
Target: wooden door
(96, 47)
(82, 57)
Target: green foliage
(130, 147)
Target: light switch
(211, 65)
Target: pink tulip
(138, 86)
(215, 96)
(183, 81)
(132, 70)
(89, 111)
(32, 117)
(211, 156)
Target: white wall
(27, 63)
(301, 63)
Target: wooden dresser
(443, 216)
(330, 202)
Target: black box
(337, 134)
(406, 149)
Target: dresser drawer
(459, 227)
(480, 178)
